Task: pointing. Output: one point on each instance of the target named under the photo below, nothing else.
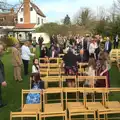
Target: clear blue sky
(55, 10)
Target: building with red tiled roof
(29, 17)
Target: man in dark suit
(2, 76)
(108, 45)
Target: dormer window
(21, 9)
(31, 8)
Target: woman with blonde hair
(102, 69)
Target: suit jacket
(16, 57)
(2, 72)
(109, 47)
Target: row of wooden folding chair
(50, 60)
(80, 79)
(56, 109)
(49, 109)
(102, 108)
(115, 55)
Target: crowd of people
(77, 49)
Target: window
(41, 21)
(31, 9)
(1, 19)
(21, 19)
(38, 20)
(15, 19)
(21, 9)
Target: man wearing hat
(17, 62)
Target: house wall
(20, 15)
(33, 16)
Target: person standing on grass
(26, 53)
(2, 76)
(17, 62)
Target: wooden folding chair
(112, 107)
(78, 109)
(113, 55)
(67, 100)
(94, 105)
(114, 103)
(30, 107)
(23, 115)
(65, 78)
(52, 79)
(53, 109)
(85, 79)
(103, 114)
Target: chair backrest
(26, 92)
(52, 79)
(55, 72)
(61, 55)
(90, 80)
(44, 73)
(54, 60)
(64, 78)
(52, 91)
(102, 78)
(43, 60)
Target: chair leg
(86, 117)
(95, 116)
(65, 116)
(10, 116)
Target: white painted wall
(20, 15)
(33, 16)
(44, 35)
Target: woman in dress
(70, 65)
(102, 69)
(91, 71)
(35, 66)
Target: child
(35, 67)
(91, 71)
(37, 84)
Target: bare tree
(4, 6)
(84, 17)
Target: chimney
(12, 11)
(26, 11)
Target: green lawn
(12, 93)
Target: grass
(12, 93)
